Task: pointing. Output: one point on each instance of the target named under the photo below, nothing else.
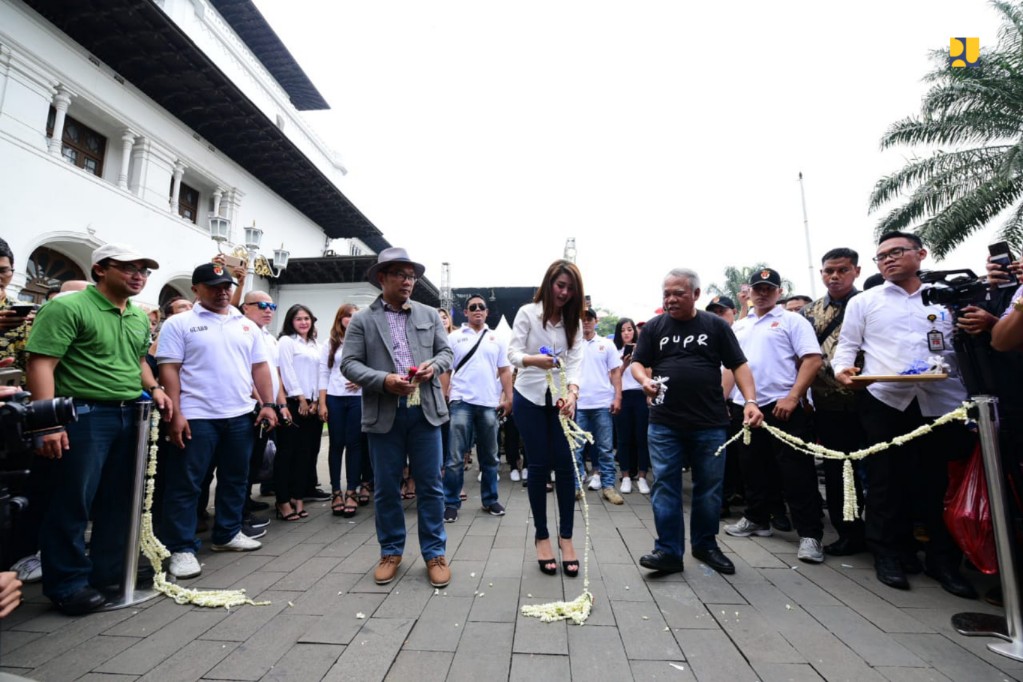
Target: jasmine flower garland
(155, 551)
(577, 610)
(849, 510)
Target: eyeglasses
(6, 271)
(131, 269)
(263, 305)
(404, 276)
(475, 307)
(894, 254)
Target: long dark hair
(619, 342)
(572, 313)
(289, 322)
(337, 331)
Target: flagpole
(809, 252)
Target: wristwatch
(272, 406)
(753, 402)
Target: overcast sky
(657, 133)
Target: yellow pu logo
(963, 52)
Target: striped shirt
(397, 322)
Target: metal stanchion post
(129, 595)
(1009, 628)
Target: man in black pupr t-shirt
(688, 348)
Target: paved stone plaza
(776, 619)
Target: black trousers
(909, 480)
(841, 430)
(297, 445)
(797, 470)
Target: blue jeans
(546, 449)
(413, 437)
(91, 480)
(631, 424)
(344, 427)
(669, 448)
(225, 444)
(598, 422)
(471, 423)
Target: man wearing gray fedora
(393, 349)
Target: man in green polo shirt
(91, 346)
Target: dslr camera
(953, 289)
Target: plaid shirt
(397, 321)
(828, 394)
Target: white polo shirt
(891, 327)
(331, 379)
(270, 341)
(216, 354)
(300, 366)
(476, 382)
(773, 345)
(600, 356)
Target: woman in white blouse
(551, 321)
(340, 405)
(298, 444)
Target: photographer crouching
(91, 347)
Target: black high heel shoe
(571, 568)
(547, 566)
(293, 516)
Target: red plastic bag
(968, 517)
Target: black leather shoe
(83, 601)
(952, 580)
(716, 559)
(889, 571)
(661, 561)
(845, 547)
(252, 505)
(781, 523)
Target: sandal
(363, 495)
(337, 503)
(547, 566)
(462, 496)
(302, 513)
(571, 568)
(351, 505)
(290, 516)
(407, 494)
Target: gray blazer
(367, 359)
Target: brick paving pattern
(775, 619)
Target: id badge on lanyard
(935, 339)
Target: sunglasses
(474, 307)
(264, 305)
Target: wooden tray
(897, 378)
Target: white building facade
(135, 122)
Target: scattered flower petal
(360, 615)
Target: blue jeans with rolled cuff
(598, 422)
(412, 437)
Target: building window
(81, 145)
(188, 202)
(48, 268)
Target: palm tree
(736, 277)
(978, 112)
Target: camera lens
(47, 414)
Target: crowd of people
(406, 397)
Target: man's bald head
(256, 296)
(261, 316)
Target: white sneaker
(644, 487)
(745, 528)
(515, 475)
(525, 474)
(479, 477)
(29, 569)
(184, 565)
(810, 551)
(626, 485)
(239, 543)
(595, 482)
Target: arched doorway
(48, 268)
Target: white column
(128, 141)
(179, 170)
(218, 194)
(61, 102)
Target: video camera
(23, 423)
(953, 289)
